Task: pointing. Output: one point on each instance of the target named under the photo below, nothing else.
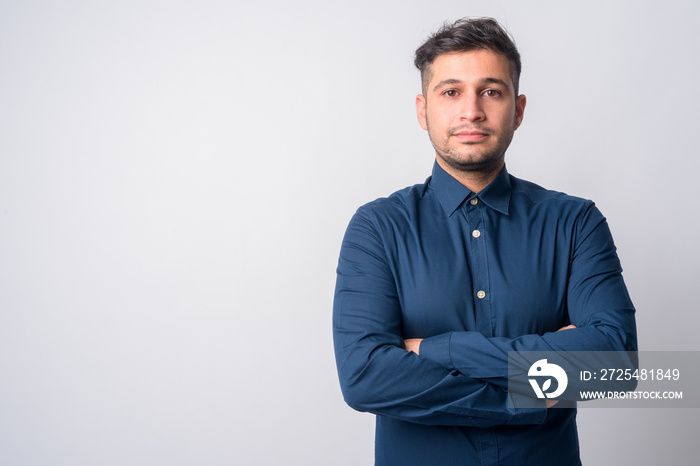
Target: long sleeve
(376, 373)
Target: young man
(439, 281)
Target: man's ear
(420, 111)
(520, 102)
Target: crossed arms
(456, 378)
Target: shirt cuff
(437, 349)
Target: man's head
(466, 35)
(470, 104)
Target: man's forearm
(413, 344)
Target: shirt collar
(452, 194)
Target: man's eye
(492, 92)
(450, 93)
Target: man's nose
(472, 109)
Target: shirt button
(474, 201)
(476, 233)
(481, 294)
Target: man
(439, 281)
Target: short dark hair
(465, 35)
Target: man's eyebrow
(495, 81)
(446, 82)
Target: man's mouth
(470, 136)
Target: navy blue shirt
(476, 275)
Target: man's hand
(412, 344)
(566, 328)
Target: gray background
(176, 177)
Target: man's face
(470, 110)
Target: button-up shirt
(476, 275)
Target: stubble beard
(468, 156)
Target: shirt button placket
(479, 261)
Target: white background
(176, 177)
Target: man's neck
(474, 180)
